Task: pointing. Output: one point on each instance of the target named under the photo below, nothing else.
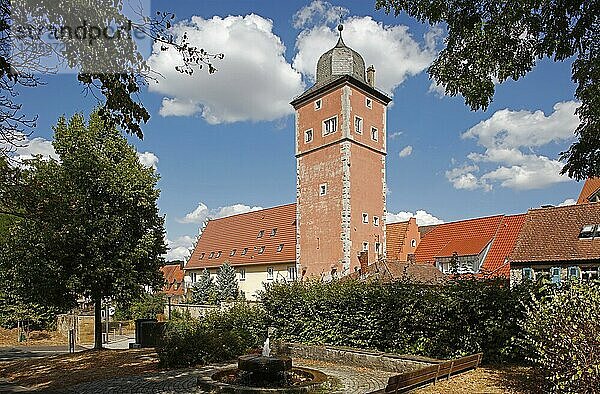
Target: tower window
(330, 125)
(374, 134)
(365, 217)
(413, 243)
(377, 248)
(368, 103)
(318, 104)
(358, 125)
(375, 221)
(365, 246)
(308, 136)
(322, 189)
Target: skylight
(261, 233)
(280, 248)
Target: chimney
(371, 76)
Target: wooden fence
(410, 380)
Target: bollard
(71, 341)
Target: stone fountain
(264, 367)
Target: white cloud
(394, 135)
(254, 81)
(148, 159)
(28, 148)
(202, 212)
(394, 52)
(509, 139)
(318, 13)
(568, 201)
(406, 151)
(423, 218)
(179, 248)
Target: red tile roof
(395, 235)
(173, 275)
(401, 271)
(504, 242)
(590, 187)
(464, 247)
(462, 231)
(242, 231)
(552, 234)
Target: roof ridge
(249, 212)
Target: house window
(368, 103)
(308, 136)
(244, 251)
(413, 243)
(322, 189)
(218, 254)
(242, 272)
(377, 248)
(330, 125)
(232, 252)
(273, 232)
(365, 247)
(587, 231)
(358, 124)
(365, 217)
(374, 134)
(528, 273)
(555, 274)
(261, 250)
(211, 255)
(574, 273)
(202, 255)
(280, 248)
(375, 221)
(193, 277)
(260, 234)
(292, 273)
(270, 273)
(318, 104)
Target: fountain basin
(267, 368)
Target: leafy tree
(90, 223)
(493, 39)
(148, 306)
(204, 290)
(226, 283)
(110, 67)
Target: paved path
(11, 353)
(353, 380)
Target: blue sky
(228, 139)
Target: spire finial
(340, 28)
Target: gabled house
(174, 287)
(590, 191)
(474, 246)
(260, 245)
(558, 243)
(402, 239)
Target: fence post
(71, 340)
(450, 372)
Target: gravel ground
(35, 338)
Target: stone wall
(355, 357)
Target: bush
(464, 317)
(562, 332)
(147, 307)
(219, 336)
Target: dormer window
(318, 104)
(211, 255)
(308, 136)
(280, 248)
(358, 125)
(244, 251)
(374, 134)
(330, 125)
(368, 103)
(232, 252)
(273, 232)
(261, 250)
(260, 234)
(589, 231)
(218, 254)
(202, 255)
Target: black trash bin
(148, 332)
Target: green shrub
(463, 317)
(562, 332)
(146, 307)
(218, 336)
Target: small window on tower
(365, 217)
(330, 125)
(318, 104)
(369, 103)
(365, 246)
(413, 243)
(374, 134)
(322, 189)
(375, 221)
(358, 125)
(377, 248)
(308, 136)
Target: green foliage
(464, 317)
(562, 332)
(204, 291)
(219, 336)
(14, 310)
(226, 283)
(146, 307)
(493, 39)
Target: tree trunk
(98, 323)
